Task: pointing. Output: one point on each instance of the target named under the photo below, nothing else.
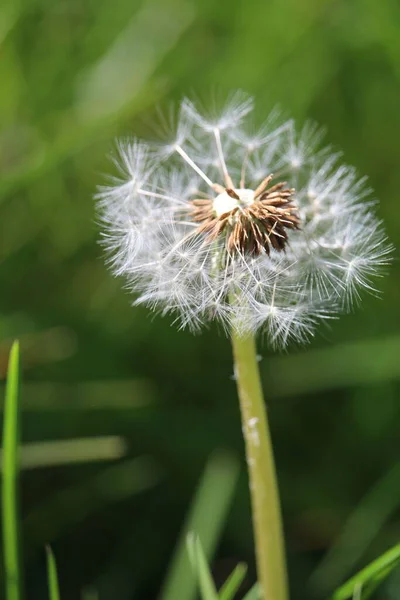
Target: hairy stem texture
(267, 524)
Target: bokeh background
(147, 411)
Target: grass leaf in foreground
(232, 584)
(200, 567)
(52, 577)
(215, 489)
(368, 579)
(10, 478)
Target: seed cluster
(253, 228)
(195, 233)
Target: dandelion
(259, 230)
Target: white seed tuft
(155, 242)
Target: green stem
(10, 470)
(267, 524)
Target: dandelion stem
(267, 524)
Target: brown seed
(253, 228)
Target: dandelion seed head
(259, 229)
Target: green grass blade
(254, 593)
(10, 478)
(52, 577)
(200, 567)
(232, 584)
(51, 453)
(215, 489)
(369, 578)
(357, 534)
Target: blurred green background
(76, 74)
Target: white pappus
(257, 229)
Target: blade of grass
(52, 577)
(200, 567)
(232, 584)
(10, 478)
(358, 532)
(69, 452)
(215, 489)
(370, 577)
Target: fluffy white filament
(154, 244)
